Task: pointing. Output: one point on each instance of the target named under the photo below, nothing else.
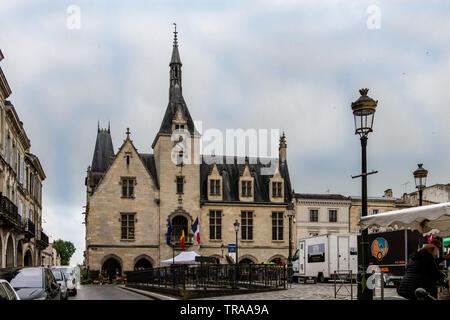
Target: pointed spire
(109, 127)
(98, 126)
(175, 54)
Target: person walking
(421, 272)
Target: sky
(290, 65)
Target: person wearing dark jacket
(421, 272)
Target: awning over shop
(424, 219)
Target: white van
(318, 257)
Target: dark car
(32, 283)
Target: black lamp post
(236, 229)
(363, 112)
(290, 213)
(420, 178)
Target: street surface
(319, 291)
(106, 292)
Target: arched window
(179, 223)
(112, 269)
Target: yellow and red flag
(182, 240)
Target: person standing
(421, 272)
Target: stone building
(21, 177)
(50, 257)
(133, 197)
(322, 214)
(437, 193)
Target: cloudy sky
(289, 65)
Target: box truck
(318, 257)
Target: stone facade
(328, 207)
(50, 257)
(375, 205)
(21, 177)
(132, 198)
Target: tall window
(128, 187)
(276, 189)
(277, 225)
(247, 225)
(332, 215)
(179, 223)
(180, 183)
(214, 187)
(128, 226)
(375, 211)
(246, 188)
(215, 225)
(313, 215)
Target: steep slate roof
(149, 162)
(231, 169)
(102, 152)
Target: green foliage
(65, 250)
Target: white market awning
(186, 257)
(423, 219)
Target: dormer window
(179, 127)
(214, 187)
(246, 188)
(276, 189)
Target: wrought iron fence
(215, 276)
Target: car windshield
(58, 275)
(67, 275)
(26, 278)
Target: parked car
(32, 283)
(69, 274)
(61, 279)
(7, 292)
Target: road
(106, 292)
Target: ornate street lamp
(420, 178)
(235, 273)
(364, 112)
(236, 229)
(290, 213)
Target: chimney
(388, 193)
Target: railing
(217, 276)
(44, 237)
(9, 209)
(30, 227)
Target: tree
(65, 250)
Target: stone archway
(278, 259)
(20, 254)
(112, 267)
(143, 263)
(10, 252)
(28, 259)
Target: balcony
(42, 242)
(9, 213)
(30, 229)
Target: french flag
(196, 230)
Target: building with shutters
(21, 175)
